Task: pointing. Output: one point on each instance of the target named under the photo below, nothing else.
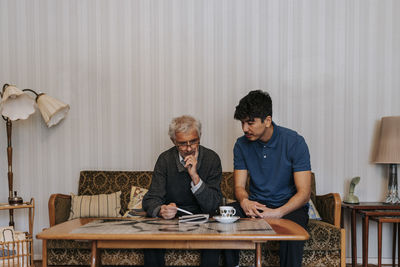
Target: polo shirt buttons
(264, 151)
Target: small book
(194, 219)
(134, 213)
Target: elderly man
(187, 176)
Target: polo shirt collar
(274, 138)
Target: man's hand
(168, 211)
(191, 166)
(266, 212)
(251, 207)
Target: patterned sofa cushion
(120, 257)
(125, 257)
(323, 236)
(68, 244)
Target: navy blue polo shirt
(271, 165)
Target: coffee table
(172, 235)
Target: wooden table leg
(44, 253)
(341, 217)
(353, 238)
(365, 240)
(398, 243)
(379, 244)
(394, 244)
(95, 255)
(258, 255)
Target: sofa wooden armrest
(329, 208)
(59, 207)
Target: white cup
(227, 211)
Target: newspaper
(160, 226)
(13, 248)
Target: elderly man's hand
(168, 211)
(191, 165)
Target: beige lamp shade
(388, 150)
(16, 105)
(53, 110)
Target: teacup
(227, 211)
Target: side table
(357, 208)
(369, 214)
(20, 245)
(395, 220)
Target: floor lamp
(17, 104)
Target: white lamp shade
(16, 105)
(53, 110)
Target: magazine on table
(194, 219)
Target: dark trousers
(290, 252)
(209, 258)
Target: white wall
(127, 67)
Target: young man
(278, 162)
(187, 176)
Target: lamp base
(392, 198)
(16, 200)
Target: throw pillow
(103, 205)
(135, 200)
(312, 211)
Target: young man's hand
(251, 207)
(268, 213)
(168, 211)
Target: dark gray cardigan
(171, 183)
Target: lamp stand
(393, 196)
(10, 173)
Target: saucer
(222, 219)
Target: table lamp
(388, 152)
(17, 104)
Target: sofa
(326, 246)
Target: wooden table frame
(284, 230)
(358, 208)
(396, 226)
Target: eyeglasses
(185, 145)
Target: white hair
(183, 124)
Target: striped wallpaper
(127, 67)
